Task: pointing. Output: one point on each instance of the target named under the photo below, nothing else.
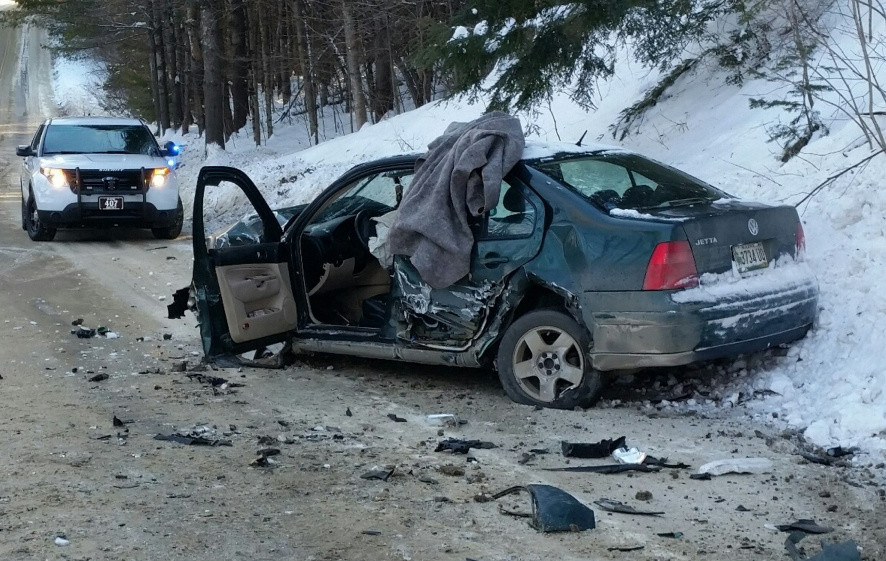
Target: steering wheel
(364, 228)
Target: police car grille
(91, 181)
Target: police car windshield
(99, 139)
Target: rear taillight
(801, 241)
(671, 266)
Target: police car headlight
(159, 177)
(57, 177)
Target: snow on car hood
(102, 161)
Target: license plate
(110, 203)
(749, 256)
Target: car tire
(36, 230)
(172, 232)
(542, 360)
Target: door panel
(257, 299)
(244, 292)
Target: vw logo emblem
(753, 227)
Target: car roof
(94, 121)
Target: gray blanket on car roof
(459, 175)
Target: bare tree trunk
(239, 68)
(158, 46)
(267, 79)
(307, 71)
(358, 109)
(213, 75)
(383, 97)
(172, 47)
(196, 75)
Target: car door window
(35, 142)
(513, 216)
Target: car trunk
(747, 235)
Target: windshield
(99, 139)
(627, 181)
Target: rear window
(627, 181)
(99, 139)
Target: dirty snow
(832, 385)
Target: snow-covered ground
(831, 384)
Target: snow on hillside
(832, 383)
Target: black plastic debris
(348, 412)
(843, 551)
(617, 506)
(179, 304)
(99, 377)
(268, 452)
(804, 525)
(672, 535)
(816, 459)
(626, 548)
(839, 452)
(663, 462)
(193, 440)
(608, 469)
(457, 446)
(701, 476)
(76, 322)
(395, 418)
(371, 533)
(117, 422)
(554, 510)
(601, 449)
(196, 436)
(84, 332)
(378, 473)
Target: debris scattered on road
(554, 510)
(348, 412)
(99, 377)
(395, 418)
(195, 436)
(117, 422)
(643, 495)
(179, 305)
(264, 455)
(378, 473)
(76, 322)
(843, 551)
(628, 456)
(457, 446)
(617, 506)
(167, 336)
(626, 548)
(700, 476)
(371, 532)
(62, 541)
(84, 332)
(737, 465)
(600, 449)
(804, 525)
(608, 469)
(672, 535)
(442, 420)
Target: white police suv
(98, 171)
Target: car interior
(346, 267)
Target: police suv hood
(103, 162)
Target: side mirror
(24, 150)
(170, 149)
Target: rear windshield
(627, 181)
(99, 139)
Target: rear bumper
(134, 214)
(677, 328)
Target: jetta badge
(753, 227)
